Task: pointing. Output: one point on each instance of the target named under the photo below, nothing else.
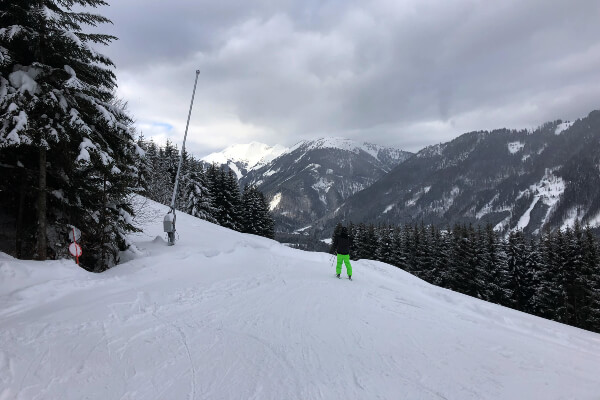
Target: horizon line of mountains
(546, 178)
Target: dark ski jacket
(343, 244)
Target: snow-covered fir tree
(520, 277)
(385, 244)
(256, 218)
(227, 198)
(197, 194)
(64, 131)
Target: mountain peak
(249, 156)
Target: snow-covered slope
(245, 157)
(223, 315)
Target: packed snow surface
(224, 315)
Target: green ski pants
(345, 258)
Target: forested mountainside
(512, 179)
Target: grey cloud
(399, 73)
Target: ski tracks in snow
(180, 332)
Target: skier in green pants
(343, 253)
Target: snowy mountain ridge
(314, 177)
(228, 315)
(245, 157)
(340, 143)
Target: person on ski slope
(343, 253)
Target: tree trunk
(19, 234)
(103, 225)
(41, 235)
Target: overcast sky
(402, 73)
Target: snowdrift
(223, 315)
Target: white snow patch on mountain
(323, 185)
(549, 190)
(235, 170)
(252, 155)
(573, 214)
(411, 202)
(388, 208)
(271, 172)
(500, 226)
(275, 201)
(447, 200)
(225, 315)
(515, 147)
(595, 221)
(486, 209)
(525, 218)
(560, 128)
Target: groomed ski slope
(223, 315)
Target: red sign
(75, 250)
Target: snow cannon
(169, 227)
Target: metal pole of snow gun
(169, 220)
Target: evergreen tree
(408, 249)
(463, 274)
(545, 296)
(402, 242)
(494, 269)
(591, 262)
(533, 268)
(229, 209)
(61, 117)
(441, 258)
(580, 278)
(370, 242)
(268, 229)
(519, 277)
(256, 218)
(198, 197)
(144, 167)
(385, 243)
(359, 248)
(425, 254)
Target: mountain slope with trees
(210, 192)
(527, 179)
(314, 177)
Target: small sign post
(74, 248)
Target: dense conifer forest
(554, 276)
(207, 192)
